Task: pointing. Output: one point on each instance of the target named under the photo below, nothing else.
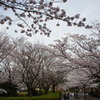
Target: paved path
(88, 97)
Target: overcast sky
(90, 9)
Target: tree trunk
(39, 90)
(84, 92)
(97, 91)
(92, 90)
(30, 90)
(53, 88)
(74, 93)
(46, 90)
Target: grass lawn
(50, 96)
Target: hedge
(50, 96)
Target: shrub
(3, 92)
(10, 88)
(95, 94)
(50, 96)
(21, 93)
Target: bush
(22, 93)
(3, 92)
(95, 94)
(10, 88)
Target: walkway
(88, 97)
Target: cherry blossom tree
(80, 79)
(87, 53)
(29, 58)
(9, 71)
(81, 52)
(8, 76)
(59, 67)
(52, 74)
(32, 15)
(5, 46)
(44, 80)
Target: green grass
(50, 96)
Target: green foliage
(50, 96)
(22, 93)
(23, 90)
(10, 88)
(34, 92)
(95, 94)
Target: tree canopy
(32, 15)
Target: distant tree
(58, 73)
(53, 72)
(44, 81)
(34, 14)
(29, 58)
(6, 46)
(9, 70)
(57, 77)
